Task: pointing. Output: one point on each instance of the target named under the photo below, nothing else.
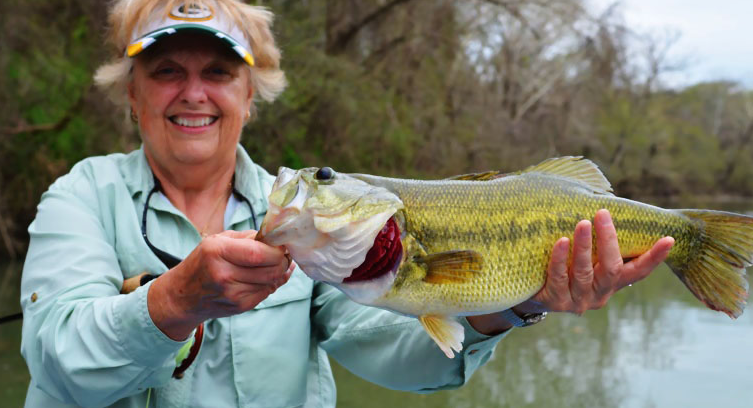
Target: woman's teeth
(193, 122)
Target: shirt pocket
(271, 347)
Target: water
(15, 377)
(654, 345)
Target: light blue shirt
(88, 345)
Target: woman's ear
(131, 94)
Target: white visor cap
(190, 17)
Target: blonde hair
(267, 79)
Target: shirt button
(34, 297)
(472, 352)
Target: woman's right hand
(227, 274)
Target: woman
(184, 207)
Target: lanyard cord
(168, 259)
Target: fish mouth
(275, 230)
(384, 256)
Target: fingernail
(604, 219)
(673, 243)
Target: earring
(134, 118)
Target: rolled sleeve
(477, 348)
(143, 342)
(391, 350)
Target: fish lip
(267, 229)
(284, 175)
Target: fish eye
(325, 173)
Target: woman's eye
(165, 71)
(218, 72)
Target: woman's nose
(194, 91)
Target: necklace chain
(203, 231)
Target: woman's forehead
(189, 43)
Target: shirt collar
(251, 180)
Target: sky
(715, 37)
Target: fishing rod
(10, 318)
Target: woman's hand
(228, 273)
(584, 285)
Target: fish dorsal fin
(574, 168)
(451, 266)
(446, 332)
(489, 175)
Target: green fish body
(481, 243)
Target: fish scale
(513, 223)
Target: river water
(654, 345)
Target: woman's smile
(193, 124)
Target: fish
(480, 243)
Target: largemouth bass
(481, 243)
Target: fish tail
(715, 271)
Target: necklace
(203, 231)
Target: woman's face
(191, 96)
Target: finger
(608, 253)
(264, 275)
(252, 299)
(247, 297)
(246, 252)
(247, 234)
(556, 292)
(642, 266)
(581, 282)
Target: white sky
(716, 37)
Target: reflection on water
(654, 345)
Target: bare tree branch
(342, 39)
(23, 127)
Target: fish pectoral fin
(445, 331)
(489, 175)
(451, 266)
(575, 168)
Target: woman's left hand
(584, 285)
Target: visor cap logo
(191, 12)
